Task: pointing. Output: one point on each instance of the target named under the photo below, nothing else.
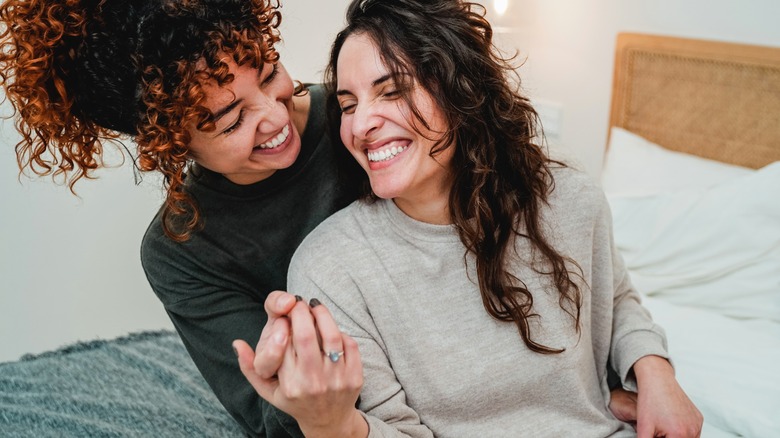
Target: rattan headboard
(713, 99)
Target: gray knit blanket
(141, 385)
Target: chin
(384, 192)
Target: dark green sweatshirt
(213, 286)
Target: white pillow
(635, 166)
(727, 367)
(716, 248)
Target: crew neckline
(415, 229)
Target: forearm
(634, 333)
(208, 341)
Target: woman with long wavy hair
(475, 281)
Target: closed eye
(235, 125)
(347, 102)
(271, 76)
(393, 93)
(348, 109)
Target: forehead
(359, 56)
(216, 94)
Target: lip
(281, 148)
(379, 144)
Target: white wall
(308, 29)
(69, 267)
(569, 46)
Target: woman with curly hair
(476, 283)
(247, 166)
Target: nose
(271, 111)
(366, 120)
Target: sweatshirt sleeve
(382, 400)
(208, 320)
(634, 334)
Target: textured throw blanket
(141, 385)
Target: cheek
(285, 84)
(345, 132)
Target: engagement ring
(334, 355)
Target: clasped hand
(305, 366)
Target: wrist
(648, 368)
(353, 425)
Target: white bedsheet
(728, 367)
(702, 243)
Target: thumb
(644, 429)
(246, 357)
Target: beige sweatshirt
(436, 364)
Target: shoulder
(157, 250)
(153, 243)
(573, 188)
(172, 268)
(316, 107)
(345, 228)
(315, 139)
(339, 236)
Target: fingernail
(298, 298)
(280, 338)
(234, 350)
(314, 302)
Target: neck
(432, 208)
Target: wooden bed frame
(712, 99)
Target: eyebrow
(222, 112)
(376, 82)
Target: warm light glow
(500, 6)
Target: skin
(297, 377)
(663, 407)
(375, 120)
(289, 368)
(254, 111)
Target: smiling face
(255, 134)
(379, 129)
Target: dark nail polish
(314, 302)
(298, 298)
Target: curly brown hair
(502, 177)
(81, 73)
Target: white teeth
(386, 154)
(276, 141)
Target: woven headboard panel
(713, 99)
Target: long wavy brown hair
(81, 73)
(502, 177)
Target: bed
(140, 385)
(692, 174)
(689, 173)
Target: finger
(644, 429)
(354, 365)
(622, 403)
(269, 358)
(351, 351)
(265, 388)
(290, 375)
(277, 304)
(328, 330)
(304, 338)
